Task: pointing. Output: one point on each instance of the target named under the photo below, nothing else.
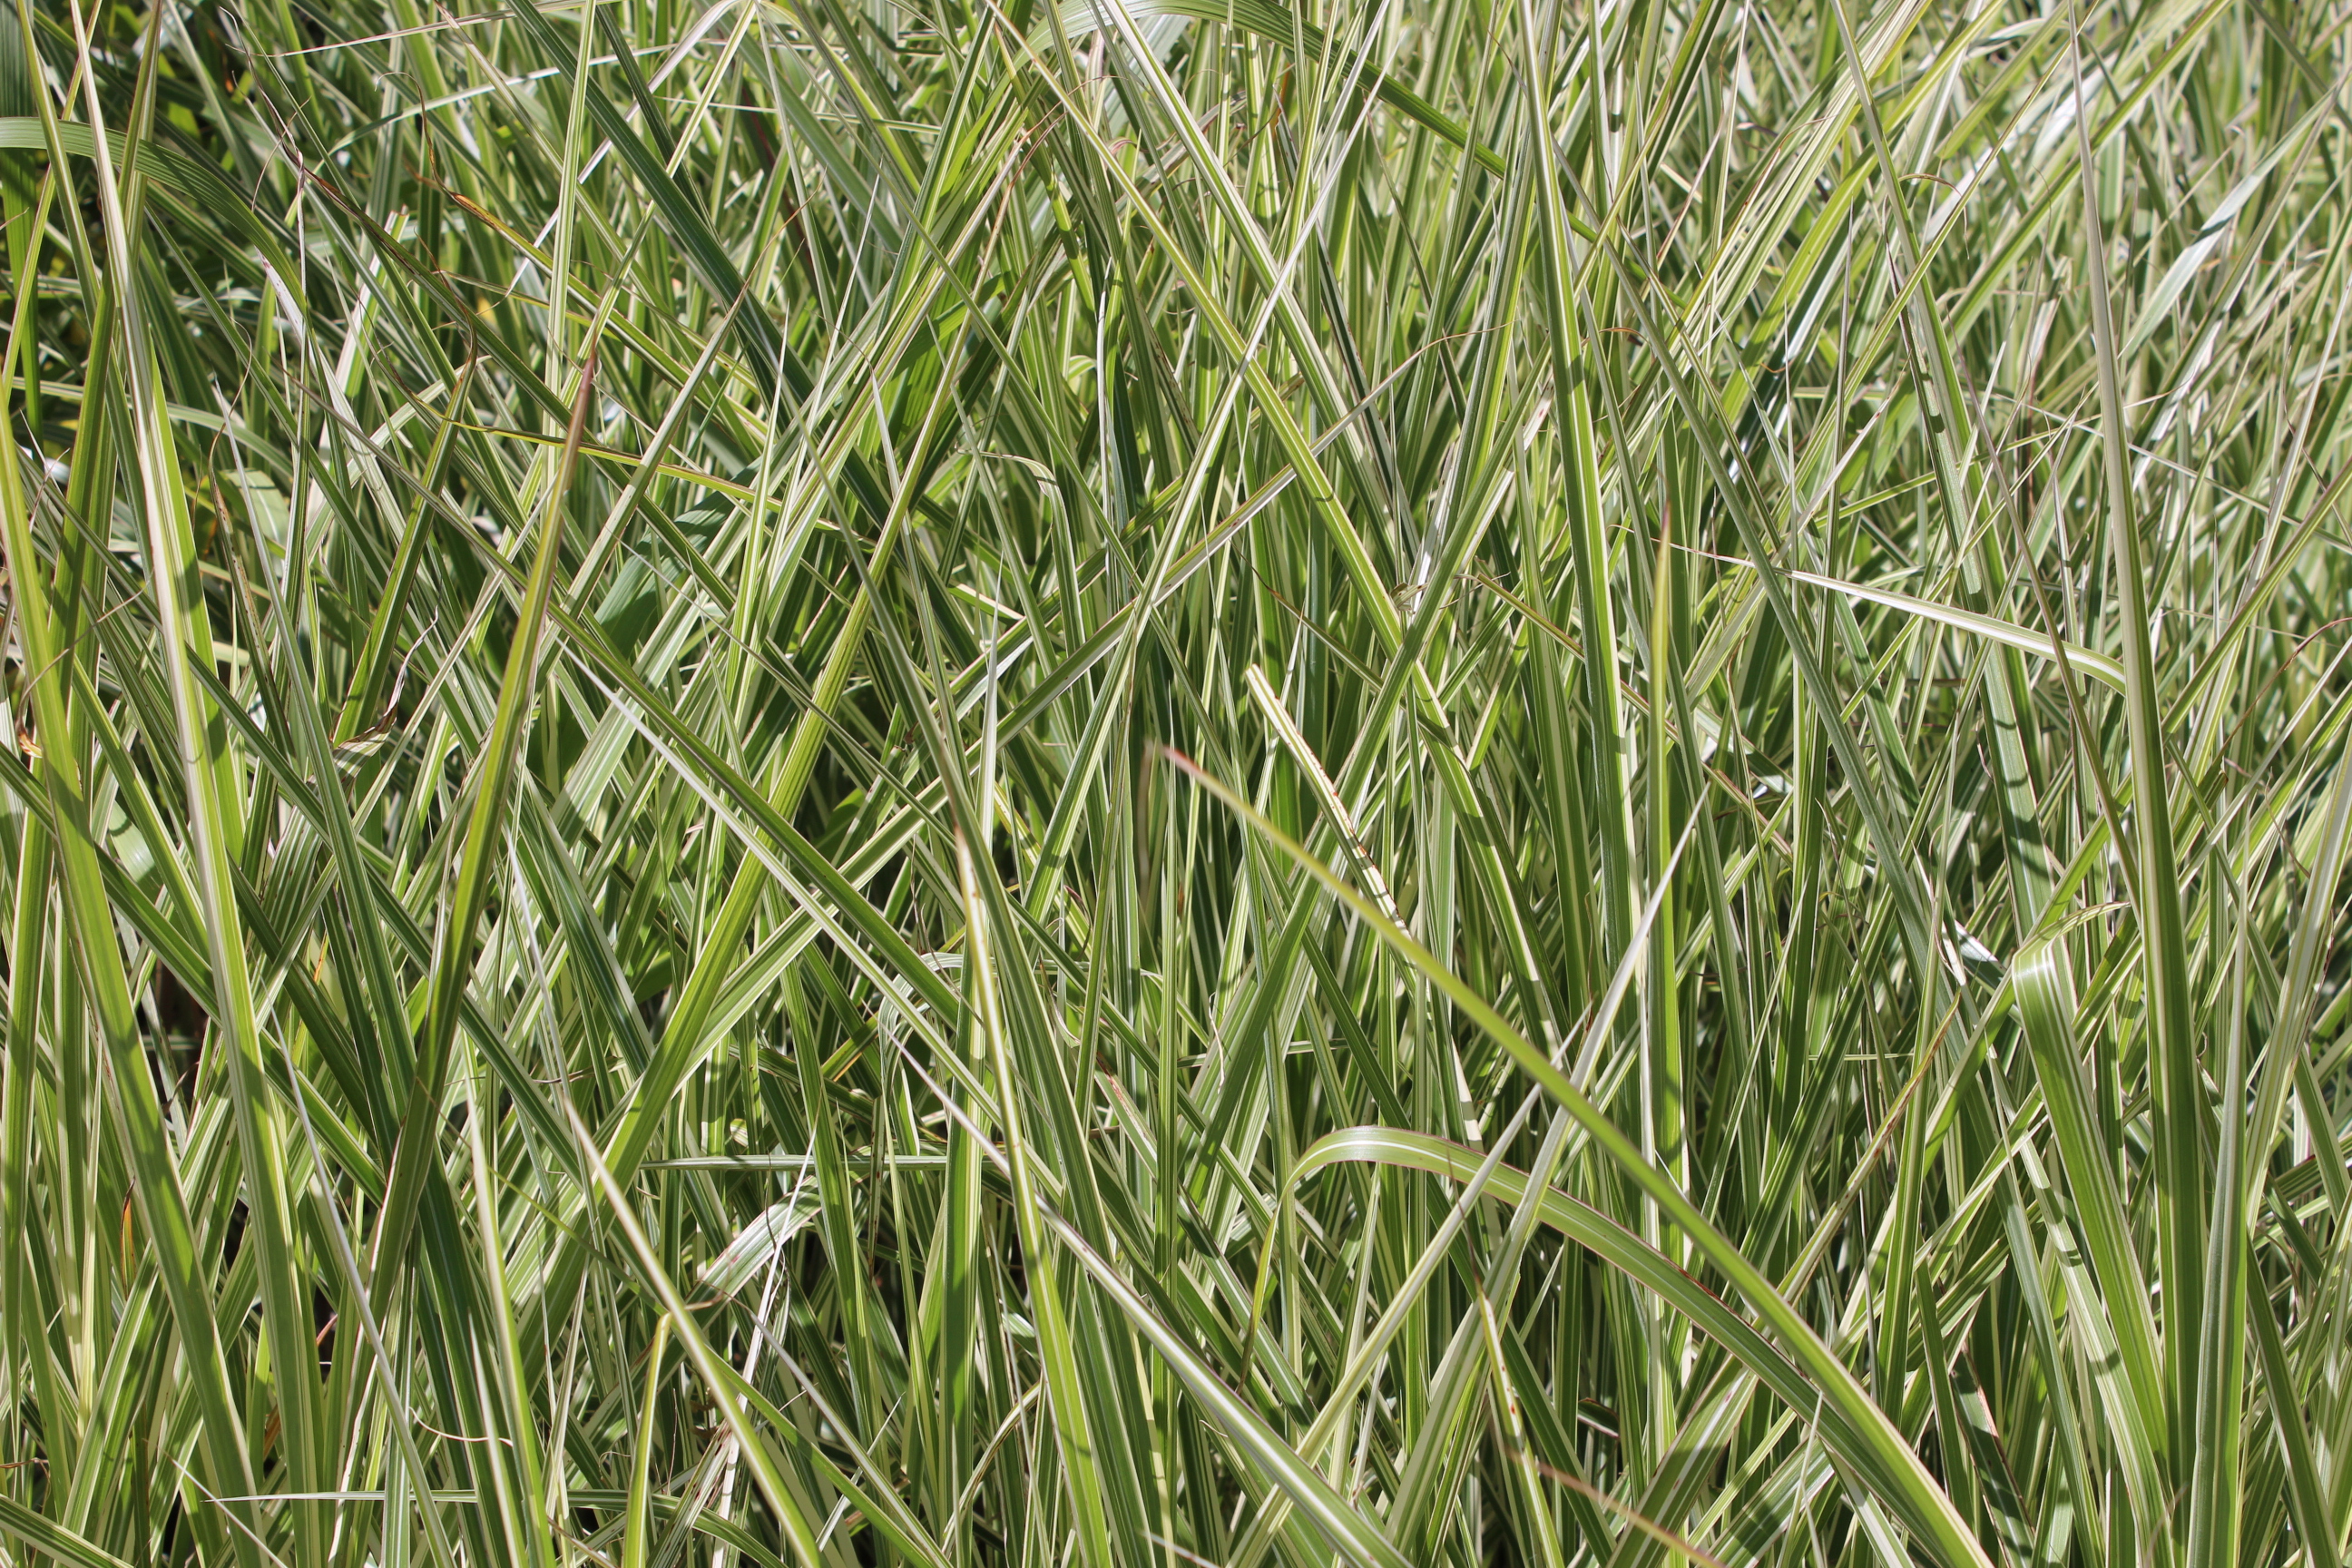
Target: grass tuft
(923, 784)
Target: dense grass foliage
(920, 781)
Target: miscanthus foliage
(929, 781)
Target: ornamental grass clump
(940, 784)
